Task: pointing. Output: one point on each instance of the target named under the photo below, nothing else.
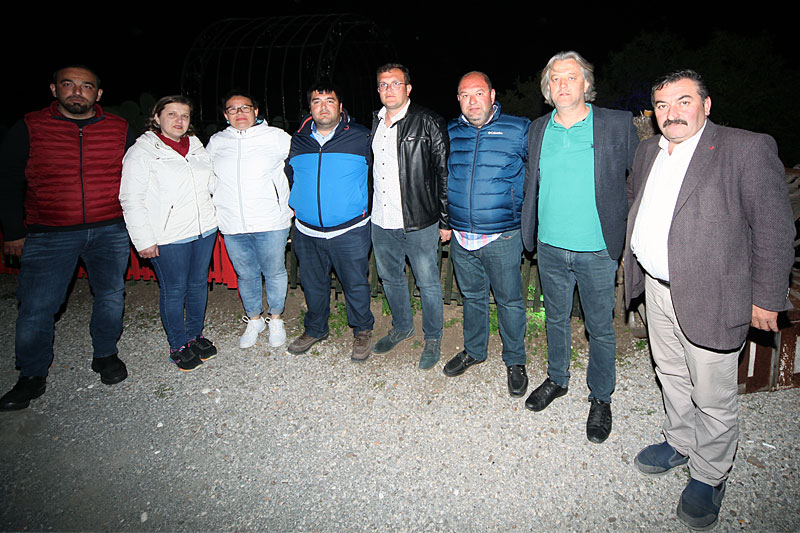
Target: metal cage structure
(277, 59)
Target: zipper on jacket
(196, 201)
(83, 185)
(319, 185)
(472, 180)
(166, 220)
(239, 179)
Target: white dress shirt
(387, 202)
(654, 219)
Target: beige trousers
(699, 388)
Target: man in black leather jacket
(409, 208)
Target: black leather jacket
(422, 150)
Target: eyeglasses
(382, 86)
(232, 110)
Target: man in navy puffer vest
(486, 169)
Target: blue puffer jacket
(329, 183)
(486, 170)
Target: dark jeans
(594, 273)
(496, 265)
(348, 255)
(182, 271)
(47, 266)
(391, 247)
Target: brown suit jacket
(731, 240)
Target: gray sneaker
(387, 343)
(362, 346)
(430, 354)
(302, 343)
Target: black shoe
(544, 394)
(517, 380)
(111, 369)
(203, 347)
(20, 396)
(598, 425)
(186, 358)
(459, 364)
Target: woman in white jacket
(166, 200)
(252, 196)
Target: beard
(77, 107)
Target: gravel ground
(263, 440)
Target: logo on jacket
(494, 133)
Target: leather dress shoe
(459, 364)
(517, 380)
(544, 395)
(20, 396)
(111, 369)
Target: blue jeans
(47, 268)
(594, 273)
(391, 247)
(182, 272)
(348, 255)
(252, 255)
(496, 265)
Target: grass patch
(337, 320)
(451, 322)
(163, 391)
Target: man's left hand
(763, 319)
(445, 234)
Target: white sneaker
(254, 327)
(277, 333)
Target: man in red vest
(59, 184)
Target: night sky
(141, 51)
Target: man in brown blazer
(709, 241)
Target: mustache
(669, 122)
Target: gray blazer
(615, 142)
(731, 240)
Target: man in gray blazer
(574, 213)
(710, 236)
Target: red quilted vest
(73, 173)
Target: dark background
(143, 50)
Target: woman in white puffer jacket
(251, 197)
(165, 193)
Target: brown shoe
(302, 343)
(362, 346)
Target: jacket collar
(496, 111)
(344, 123)
(99, 114)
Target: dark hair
(76, 65)
(672, 77)
(392, 66)
(159, 107)
(324, 87)
(479, 73)
(235, 92)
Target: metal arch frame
(298, 49)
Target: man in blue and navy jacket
(486, 177)
(328, 172)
